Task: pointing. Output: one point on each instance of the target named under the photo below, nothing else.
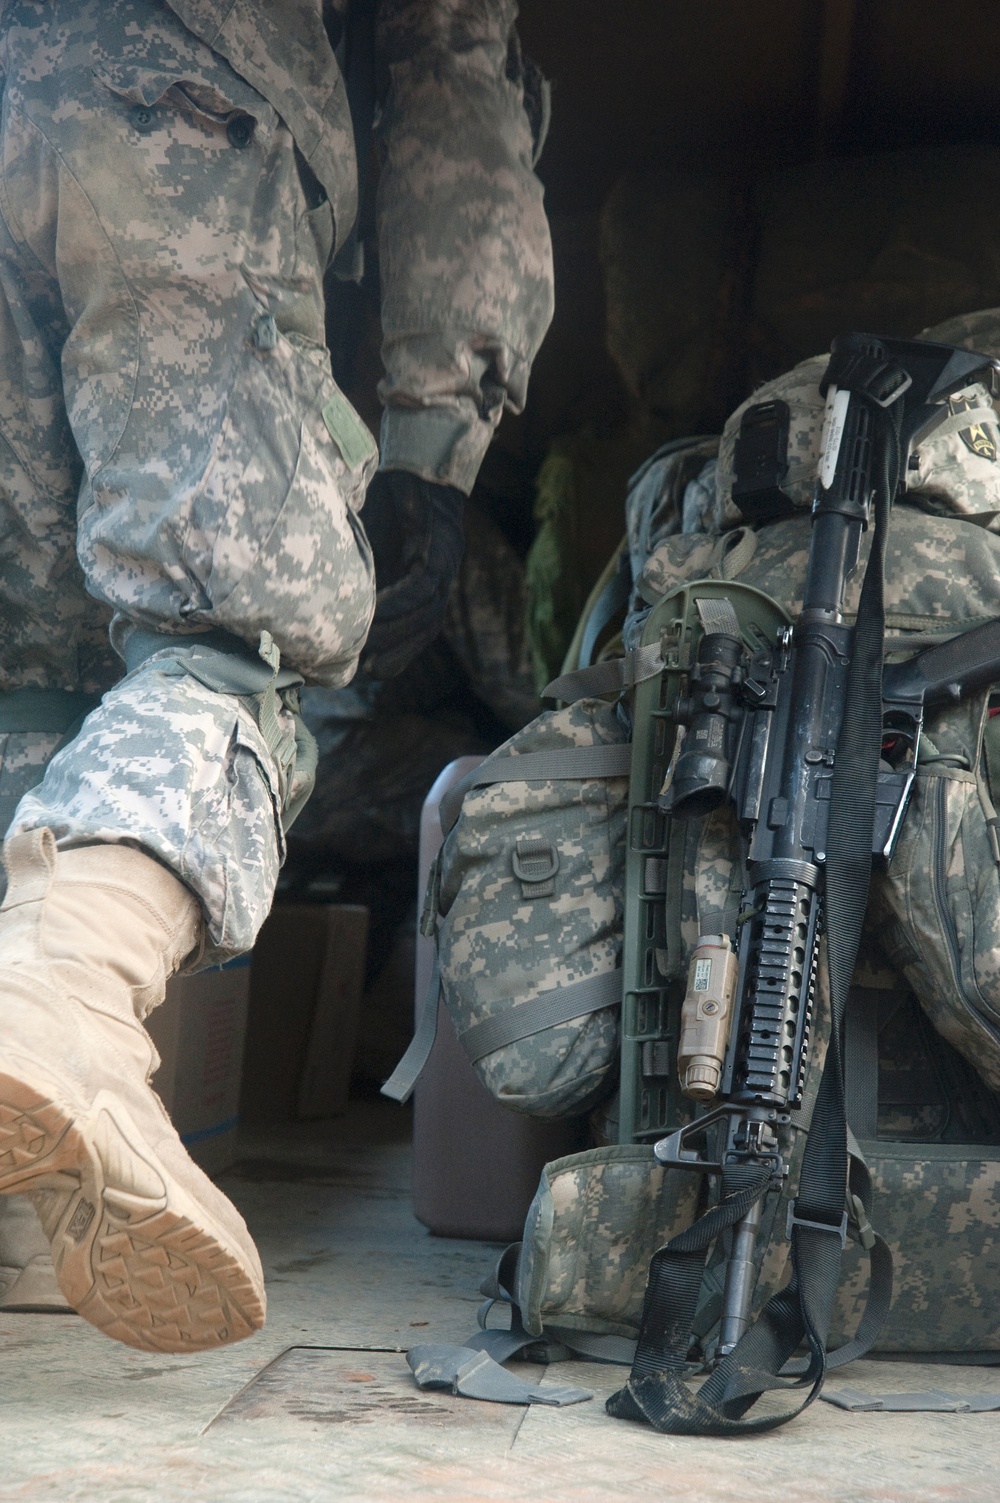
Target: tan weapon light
(706, 1016)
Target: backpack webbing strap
(560, 1005)
(615, 676)
(607, 760)
(558, 1341)
(963, 420)
(547, 1010)
(859, 1204)
(399, 1086)
(802, 1310)
(930, 1401)
(473, 1374)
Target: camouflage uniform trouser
(174, 454)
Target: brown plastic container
(476, 1165)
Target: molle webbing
(614, 676)
(547, 1010)
(514, 1021)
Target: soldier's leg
(221, 474)
(55, 658)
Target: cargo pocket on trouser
(939, 905)
(299, 568)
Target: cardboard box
(200, 1031)
(305, 999)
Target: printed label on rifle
(837, 403)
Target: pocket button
(240, 131)
(265, 332)
(141, 117)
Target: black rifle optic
(766, 731)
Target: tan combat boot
(144, 1245)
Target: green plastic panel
(651, 1102)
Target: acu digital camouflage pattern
(954, 473)
(938, 1207)
(936, 909)
(598, 1217)
(162, 286)
(498, 947)
(595, 1222)
(182, 276)
(973, 331)
(465, 257)
(940, 904)
(166, 397)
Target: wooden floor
(322, 1406)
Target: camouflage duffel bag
(598, 1217)
(526, 902)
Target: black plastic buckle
(860, 363)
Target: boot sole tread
(145, 1272)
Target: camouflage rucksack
(929, 1121)
(931, 1134)
(923, 1108)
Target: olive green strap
(547, 1010)
(614, 676)
(399, 1086)
(604, 760)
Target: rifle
(792, 733)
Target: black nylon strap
(861, 1060)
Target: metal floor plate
(351, 1386)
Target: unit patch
(978, 438)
